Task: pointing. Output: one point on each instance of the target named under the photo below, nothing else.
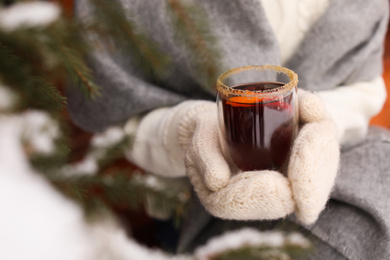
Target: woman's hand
(256, 195)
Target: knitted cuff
(179, 126)
(186, 125)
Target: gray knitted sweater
(344, 46)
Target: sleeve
(352, 107)
(340, 49)
(161, 135)
(126, 88)
(123, 95)
(340, 59)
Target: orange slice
(246, 102)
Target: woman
(335, 46)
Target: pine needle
(128, 37)
(192, 29)
(34, 91)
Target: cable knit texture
(186, 126)
(174, 136)
(267, 194)
(311, 109)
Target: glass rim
(226, 90)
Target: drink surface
(259, 131)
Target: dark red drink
(259, 131)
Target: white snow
(7, 98)
(109, 137)
(297, 239)
(248, 237)
(34, 128)
(37, 222)
(87, 166)
(152, 182)
(39, 130)
(28, 14)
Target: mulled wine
(259, 130)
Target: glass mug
(258, 116)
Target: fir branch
(252, 244)
(71, 52)
(80, 73)
(193, 30)
(44, 95)
(55, 53)
(34, 91)
(49, 164)
(9, 2)
(113, 152)
(120, 190)
(109, 188)
(262, 253)
(164, 195)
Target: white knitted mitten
(314, 159)
(158, 147)
(265, 194)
